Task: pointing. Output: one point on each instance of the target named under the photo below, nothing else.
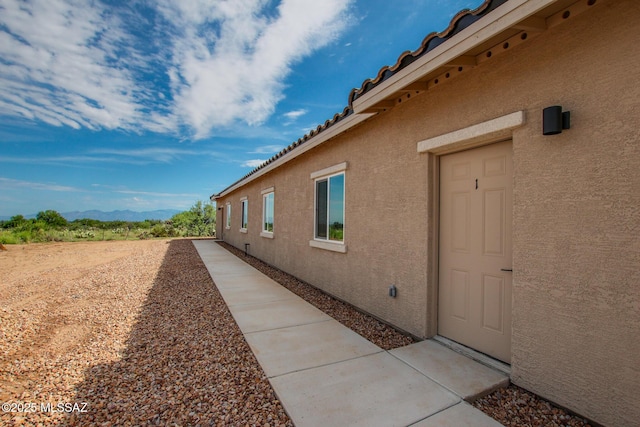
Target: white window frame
(228, 219)
(326, 174)
(265, 194)
(244, 214)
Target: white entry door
(476, 199)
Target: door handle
(506, 269)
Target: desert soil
(136, 333)
(123, 333)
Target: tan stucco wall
(392, 225)
(576, 245)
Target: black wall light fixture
(554, 120)
(393, 291)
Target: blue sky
(148, 105)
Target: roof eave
(329, 133)
(493, 24)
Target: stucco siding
(576, 255)
(576, 213)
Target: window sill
(266, 234)
(243, 230)
(328, 246)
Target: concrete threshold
(326, 374)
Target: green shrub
(159, 230)
(51, 218)
(8, 238)
(24, 236)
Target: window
(245, 214)
(228, 215)
(328, 233)
(267, 213)
(329, 221)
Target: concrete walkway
(327, 375)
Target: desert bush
(159, 230)
(53, 237)
(24, 236)
(15, 222)
(50, 226)
(200, 220)
(51, 218)
(84, 234)
(8, 238)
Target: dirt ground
(122, 333)
(22, 261)
(48, 315)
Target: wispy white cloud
(149, 155)
(95, 196)
(292, 116)
(141, 156)
(60, 65)
(142, 198)
(267, 149)
(14, 184)
(155, 194)
(206, 65)
(237, 72)
(252, 163)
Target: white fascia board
(338, 128)
(495, 22)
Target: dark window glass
(321, 208)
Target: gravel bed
(511, 406)
(515, 407)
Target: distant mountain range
(126, 215)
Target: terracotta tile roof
(460, 21)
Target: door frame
(433, 245)
(478, 135)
